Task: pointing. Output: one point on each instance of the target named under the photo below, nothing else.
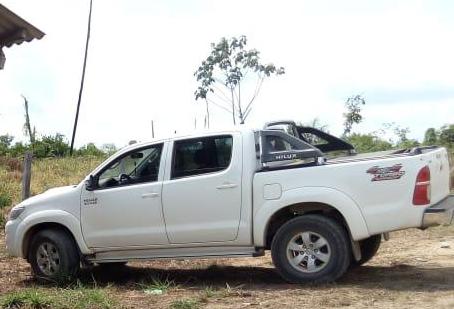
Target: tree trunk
(208, 115)
(240, 111)
(233, 106)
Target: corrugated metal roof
(15, 30)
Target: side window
(282, 148)
(139, 166)
(313, 139)
(276, 143)
(201, 155)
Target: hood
(49, 195)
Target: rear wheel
(311, 248)
(53, 256)
(369, 247)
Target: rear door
(202, 191)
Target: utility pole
(152, 129)
(82, 80)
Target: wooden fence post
(27, 175)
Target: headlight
(16, 212)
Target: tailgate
(438, 163)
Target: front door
(202, 193)
(124, 209)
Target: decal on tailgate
(386, 173)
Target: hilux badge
(386, 173)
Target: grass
(157, 284)
(78, 297)
(46, 174)
(188, 303)
(27, 298)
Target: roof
(15, 30)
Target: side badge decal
(91, 201)
(386, 173)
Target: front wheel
(53, 256)
(311, 248)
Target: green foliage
(31, 298)
(90, 150)
(442, 137)
(353, 114)
(227, 66)
(50, 146)
(5, 143)
(368, 143)
(446, 136)
(17, 150)
(430, 137)
(78, 297)
(5, 200)
(207, 293)
(157, 283)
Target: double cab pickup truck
(233, 193)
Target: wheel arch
(60, 220)
(296, 202)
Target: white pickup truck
(233, 193)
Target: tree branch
(218, 105)
(256, 92)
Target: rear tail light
(421, 195)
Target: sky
(397, 54)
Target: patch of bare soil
(415, 269)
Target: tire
(369, 248)
(322, 256)
(54, 256)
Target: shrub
(5, 200)
(11, 164)
(51, 146)
(5, 143)
(90, 150)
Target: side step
(174, 253)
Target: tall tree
(430, 137)
(353, 114)
(447, 136)
(222, 74)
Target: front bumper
(12, 246)
(441, 213)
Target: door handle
(150, 195)
(227, 186)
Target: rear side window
(201, 155)
(277, 143)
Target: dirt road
(415, 269)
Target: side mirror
(90, 184)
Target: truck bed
(380, 184)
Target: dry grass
(46, 174)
